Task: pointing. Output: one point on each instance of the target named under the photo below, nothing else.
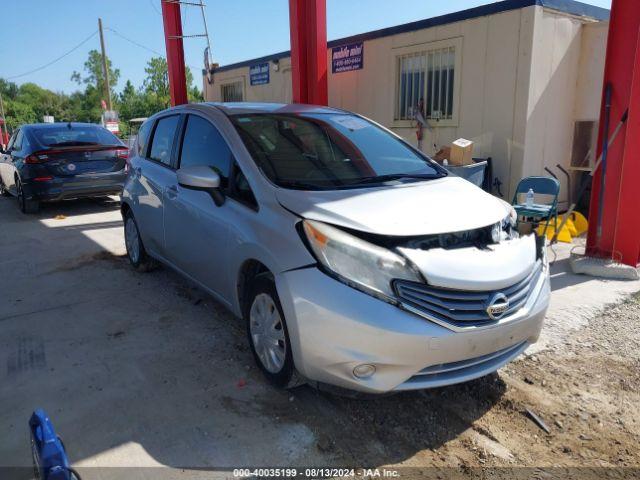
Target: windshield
(74, 135)
(329, 151)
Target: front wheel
(136, 253)
(268, 335)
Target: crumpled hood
(445, 205)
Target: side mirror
(202, 178)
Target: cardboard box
(461, 152)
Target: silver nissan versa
(354, 259)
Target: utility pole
(4, 121)
(104, 67)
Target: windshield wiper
(397, 176)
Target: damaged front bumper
(335, 328)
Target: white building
(521, 78)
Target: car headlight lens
(506, 229)
(356, 261)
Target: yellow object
(564, 235)
(570, 225)
(580, 222)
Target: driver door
(196, 230)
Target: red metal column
(175, 52)
(308, 28)
(620, 238)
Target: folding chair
(540, 211)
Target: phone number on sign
(294, 472)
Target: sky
(238, 29)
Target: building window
(427, 75)
(231, 92)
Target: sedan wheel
(267, 333)
(26, 206)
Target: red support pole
(620, 237)
(175, 52)
(308, 28)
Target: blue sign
(259, 74)
(347, 58)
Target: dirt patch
(586, 393)
(119, 261)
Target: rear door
(154, 173)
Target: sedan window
(163, 139)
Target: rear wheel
(138, 256)
(25, 205)
(268, 334)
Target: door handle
(172, 192)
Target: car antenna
(69, 125)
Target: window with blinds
(231, 92)
(428, 75)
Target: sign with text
(347, 58)
(259, 74)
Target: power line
(155, 8)
(134, 42)
(56, 60)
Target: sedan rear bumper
(79, 186)
(334, 328)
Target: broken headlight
(357, 262)
(506, 229)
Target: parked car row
(354, 259)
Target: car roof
(244, 108)
(59, 124)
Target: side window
(203, 145)
(163, 136)
(143, 139)
(12, 140)
(17, 143)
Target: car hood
(449, 204)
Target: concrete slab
(575, 299)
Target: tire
(136, 252)
(265, 324)
(25, 206)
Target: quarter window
(143, 139)
(163, 139)
(17, 143)
(231, 92)
(426, 79)
(203, 145)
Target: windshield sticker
(352, 123)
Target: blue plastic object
(49, 456)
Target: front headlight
(356, 261)
(506, 229)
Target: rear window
(75, 135)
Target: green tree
(93, 78)
(156, 84)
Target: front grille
(465, 308)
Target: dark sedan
(50, 162)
